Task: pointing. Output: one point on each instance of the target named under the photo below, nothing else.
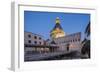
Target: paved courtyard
(53, 56)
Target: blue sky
(43, 22)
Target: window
(39, 38)
(29, 41)
(29, 36)
(35, 37)
(35, 42)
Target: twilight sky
(43, 22)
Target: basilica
(65, 42)
(59, 41)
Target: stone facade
(69, 42)
(33, 39)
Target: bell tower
(57, 31)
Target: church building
(71, 42)
(57, 31)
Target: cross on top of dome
(57, 20)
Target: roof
(57, 26)
(33, 33)
(53, 42)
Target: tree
(86, 42)
(86, 48)
(87, 30)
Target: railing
(41, 46)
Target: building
(57, 31)
(69, 43)
(33, 43)
(59, 41)
(33, 39)
(65, 42)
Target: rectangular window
(29, 41)
(29, 36)
(35, 42)
(39, 38)
(35, 37)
